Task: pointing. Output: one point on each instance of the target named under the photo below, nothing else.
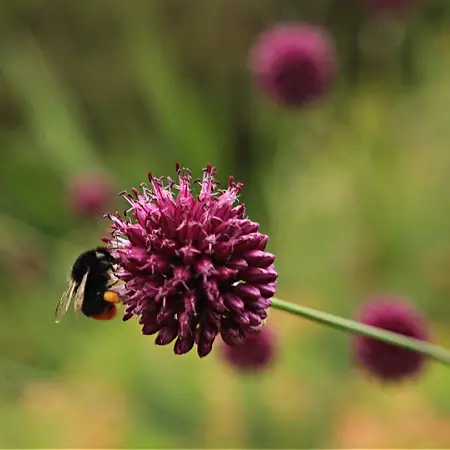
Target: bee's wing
(64, 302)
(79, 294)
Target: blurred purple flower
(255, 353)
(293, 63)
(386, 361)
(193, 267)
(90, 194)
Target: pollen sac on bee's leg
(111, 297)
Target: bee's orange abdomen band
(107, 314)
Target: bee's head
(103, 255)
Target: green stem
(433, 351)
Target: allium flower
(255, 353)
(193, 266)
(386, 361)
(90, 194)
(293, 63)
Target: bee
(88, 287)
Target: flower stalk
(350, 326)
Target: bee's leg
(114, 282)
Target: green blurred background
(353, 193)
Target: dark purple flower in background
(255, 353)
(193, 266)
(293, 63)
(90, 194)
(386, 361)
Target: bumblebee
(88, 287)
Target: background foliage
(353, 193)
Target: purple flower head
(293, 63)
(193, 266)
(255, 353)
(386, 361)
(90, 194)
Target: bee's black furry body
(98, 261)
